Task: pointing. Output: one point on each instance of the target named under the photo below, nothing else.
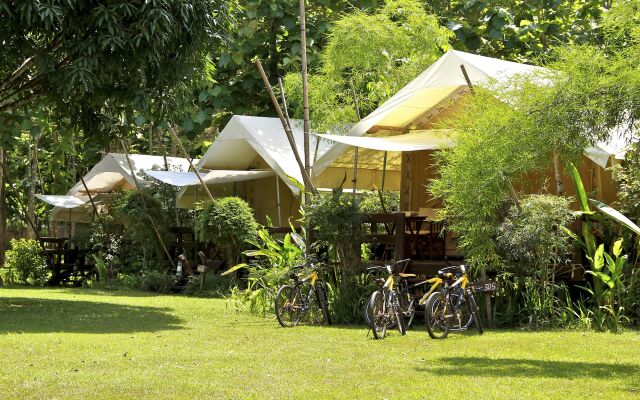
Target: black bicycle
(305, 299)
(393, 304)
(446, 310)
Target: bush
(25, 261)
(229, 223)
(337, 221)
(136, 216)
(534, 237)
(371, 204)
(154, 281)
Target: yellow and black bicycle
(305, 299)
(453, 307)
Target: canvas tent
(253, 144)
(405, 123)
(110, 174)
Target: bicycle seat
(399, 266)
(403, 275)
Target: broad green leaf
(589, 240)
(234, 269)
(598, 258)
(615, 215)
(611, 264)
(582, 194)
(617, 247)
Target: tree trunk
(31, 204)
(3, 210)
(557, 172)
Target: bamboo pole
(186, 155)
(466, 78)
(283, 98)
(285, 125)
(95, 209)
(305, 98)
(144, 204)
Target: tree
(521, 30)
(585, 94)
(369, 57)
(268, 30)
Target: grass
(73, 343)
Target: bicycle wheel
(397, 312)
(436, 320)
(462, 316)
(367, 311)
(378, 315)
(473, 307)
(288, 304)
(312, 313)
(321, 296)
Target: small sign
(490, 286)
(201, 268)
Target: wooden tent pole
(95, 209)
(305, 97)
(278, 205)
(144, 204)
(285, 125)
(186, 155)
(355, 172)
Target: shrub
(534, 237)
(229, 223)
(136, 210)
(155, 281)
(337, 221)
(26, 259)
(371, 204)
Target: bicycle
(445, 309)
(387, 307)
(306, 297)
(408, 299)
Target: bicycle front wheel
(288, 305)
(378, 315)
(436, 319)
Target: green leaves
(580, 191)
(616, 216)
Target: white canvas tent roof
(245, 138)
(184, 179)
(113, 171)
(429, 94)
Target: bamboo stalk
(285, 125)
(305, 97)
(186, 155)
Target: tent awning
(184, 179)
(63, 201)
(412, 141)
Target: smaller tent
(112, 173)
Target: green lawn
(59, 343)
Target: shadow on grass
(517, 368)
(34, 315)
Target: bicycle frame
(463, 281)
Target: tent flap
(184, 179)
(63, 201)
(412, 141)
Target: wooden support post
(399, 233)
(405, 182)
(355, 173)
(487, 301)
(144, 204)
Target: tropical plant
(229, 223)
(26, 258)
(271, 262)
(337, 222)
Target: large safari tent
(254, 144)
(404, 126)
